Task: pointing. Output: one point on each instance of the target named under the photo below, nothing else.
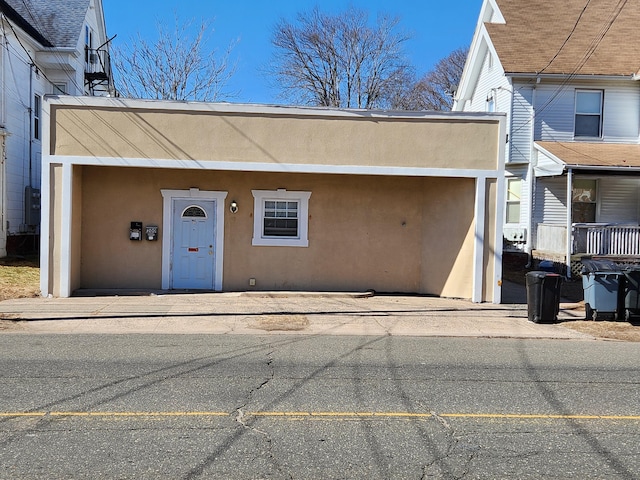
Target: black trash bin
(543, 296)
(631, 284)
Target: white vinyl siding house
(555, 107)
(37, 58)
(571, 119)
(521, 124)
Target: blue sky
(437, 26)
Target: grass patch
(19, 277)
(623, 331)
(286, 323)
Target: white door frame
(168, 197)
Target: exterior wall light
(233, 207)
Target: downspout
(31, 107)
(531, 177)
(569, 209)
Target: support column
(569, 217)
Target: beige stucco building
(247, 197)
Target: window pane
(280, 219)
(514, 189)
(194, 211)
(513, 212)
(589, 102)
(584, 191)
(583, 212)
(587, 126)
(281, 227)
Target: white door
(192, 246)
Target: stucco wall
(390, 234)
(426, 142)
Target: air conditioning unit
(515, 234)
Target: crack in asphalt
(434, 469)
(247, 422)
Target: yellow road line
(114, 414)
(521, 416)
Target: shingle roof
(600, 35)
(594, 154)
(58, 22)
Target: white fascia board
(100, 19)
(31, 42)
(273, 167)
(480, 45)
(495, 9)
(246, 108)
(555, 170)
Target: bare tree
(435, 90)
(338, 61)
(175, 67)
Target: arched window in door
(194, 211)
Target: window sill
(279, 242)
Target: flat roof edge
(255, 108)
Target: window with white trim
(37, 110)
(584, 200)
(514, 192)
(588, 120)
(280, 218)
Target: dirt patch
(623, 331)
(8, 325)
(19, 277)
(286, 323)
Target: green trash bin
(601, 280)
(543, 296)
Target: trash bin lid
(602, 266)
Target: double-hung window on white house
(514, 194)
(280, 218)
(588, 119)
(37, 111)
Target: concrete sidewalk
(277, 313)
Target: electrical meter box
(32, 206)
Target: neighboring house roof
(585, 154)
(581, 37)
(53, 23)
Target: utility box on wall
(31, 206)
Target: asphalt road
(304, 407)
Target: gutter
(562, 76)
(603, 168)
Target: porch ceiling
(586, 154)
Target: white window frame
(259, 199)
(37, 116)
(491, 103)
(600, 114)
(513, 202)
